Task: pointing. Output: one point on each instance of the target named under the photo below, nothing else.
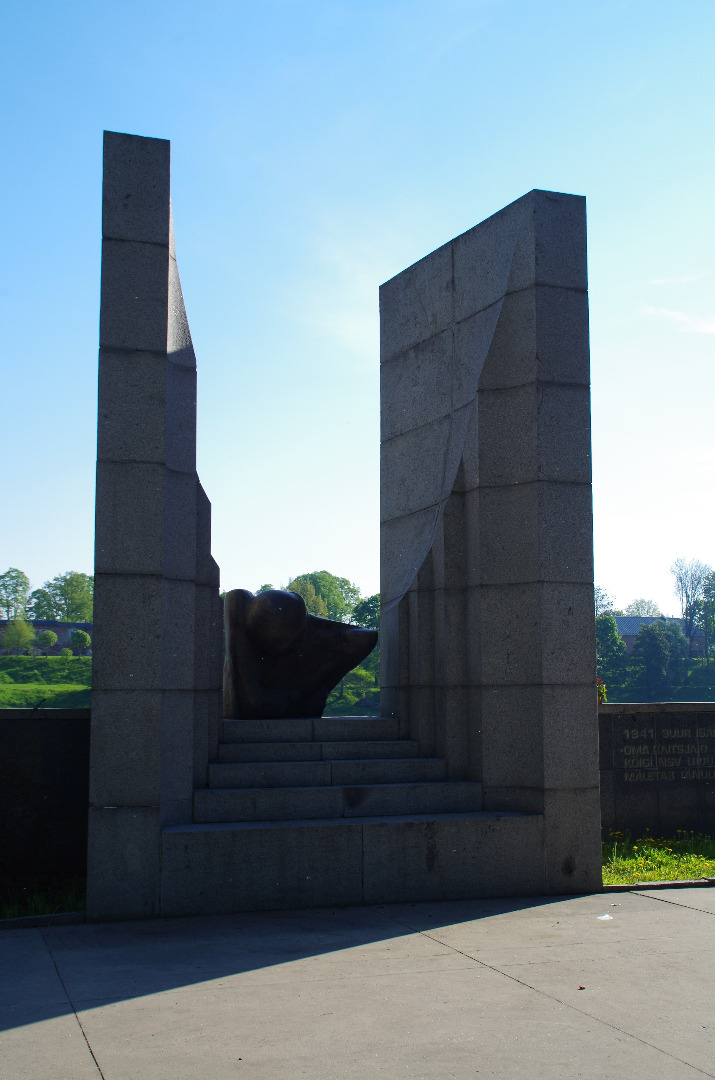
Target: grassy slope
(51, 682)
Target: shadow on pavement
(49, 972)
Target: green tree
(605, 604)
(690, 577)
(47, 639)
(18, 637)
(705, 620)
(14, 590)
(314, 603)
(642, 607)
(69, 597)
(351, 688)
(610, 650)
(367, 612)
(678, 640)
(263, 588)
(41, 605)
(80, 640)
(652, 648)
(66, 653)
(659, 647)
(338, 594)
(371, 664)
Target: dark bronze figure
(281, 661)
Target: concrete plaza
(489, 989)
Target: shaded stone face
(282, 662)
(486, 565)
(156, 701)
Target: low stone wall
(44, 792)
(657, 773)
(658, 767)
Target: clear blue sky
(318, 148)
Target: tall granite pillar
(488, 636)
(156, 699)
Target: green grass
(41, 896)
(46, 669)
(48, 682)
(685, 856)
(358, 708)
(38, 695)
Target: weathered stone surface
(488, 637)
(157, 630)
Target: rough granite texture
(157, 618)
(488, 637)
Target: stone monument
(480, 779)
(156, 697)
(488, 637)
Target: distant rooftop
(629, 625)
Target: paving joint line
(566, 1004)
(69, 998)
(675, 903)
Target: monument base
(271, 865)
(342, 811)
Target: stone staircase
(331, 811)
(287, 770)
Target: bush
(66, 653)
(47, 639)
(80, 640)
(18, 637)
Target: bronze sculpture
(282, 662)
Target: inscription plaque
(658, 767)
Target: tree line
(326, 595)
(68, 597)
(332, 597)
(662, 664)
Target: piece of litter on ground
(582, 987)
(602, 917)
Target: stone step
(275, 774)
(268, 866)
(317, 751)
(297, 803)
(318, 729)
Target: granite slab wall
(488, 636)
(44, 784)
(658, 767)
(657, 773)
(157, 613)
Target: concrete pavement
(490, 990)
